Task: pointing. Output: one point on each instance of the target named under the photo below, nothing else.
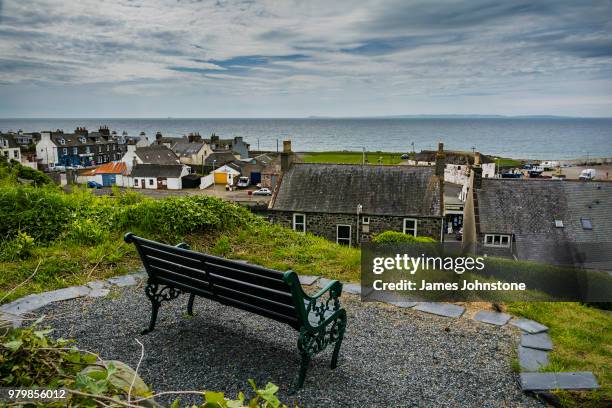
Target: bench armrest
(334, 287)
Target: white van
(587, 174)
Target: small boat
(511, 175)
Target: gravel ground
(390, 357)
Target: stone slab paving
(530, 326)
(98, 284)
(532, 359)
(403, 304)
(353, 288)
(122, 281)
(581, 380)
(540, 341)
(495, 318)
(390, 357)
(308, 280)
(441, 309)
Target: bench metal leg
(157, 295)
(190, 305)
(341, 328)
(302, 373)
(154, 309)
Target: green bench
(172, 270)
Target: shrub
(18, 248)
(87, 231)
(394, 237)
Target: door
(343, 234)
(108, 180)
(220, 178)
(162, 183)
(255, 178)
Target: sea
(521, 137)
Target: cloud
(297, 53)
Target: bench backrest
(249, 287)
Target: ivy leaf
(215, 398)
(13, 345)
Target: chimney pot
(286, 146)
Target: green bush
(87, 231)
(18, 248)
(13, 170)
(394, 237)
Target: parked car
(57, 167)
(262, 191)
(405, 156)
(93, 184)
(243, 182)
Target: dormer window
(559, 223)
(62, 141)
(586, 223)
(82, 139)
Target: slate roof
(381, 190)
(184, 148)
(71, 139)
(157, 154)
(157, 170)
(528, 210)
(10, 139)
(221, 158)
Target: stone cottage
(542, 220)
(349, 204)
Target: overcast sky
(187, 58)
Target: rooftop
(157, 154)
(334, 188)
(157, 170)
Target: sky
(187, 58)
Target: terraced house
(81, 148)
(349, 204)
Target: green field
(352, 157)
(508, 163)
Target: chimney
(477, 169)
(440, 165)
(286, 156)
(440, 160)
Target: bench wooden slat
(177, 277)
(177, 258)
(262, 302)
(250, 289)
(293, 321)
(184, 287)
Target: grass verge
(352, 157)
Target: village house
(154, 154)
(159, 176)
(219, 158)
(227, 174)
(250, 168)
(540, 220)
(108, 174)
(192, 149)
(349, 204)
(81, 148)
(9, 148)
(236, 145)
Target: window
(410, 226)
(135, 182)
(365, 220)
(65, 150)
(99, 149)
(343, 234)
(586, 223)
(559, 223)
(87, 149)
(15, 153)
(108, 148)
(497, 240)
(299, 222)
(75, 150)
(150, 182)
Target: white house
(226, 174)
(158, 176)
(9, 148)
(192, 152)
(46, 149)
(154, 154)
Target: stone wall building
(349, 204)
(541, 220)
